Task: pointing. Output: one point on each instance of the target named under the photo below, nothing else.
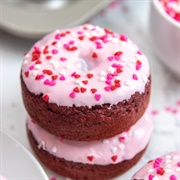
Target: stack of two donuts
(86, 91)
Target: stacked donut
(86, 91)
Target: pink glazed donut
(85, 83)
(166, 167)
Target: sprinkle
(110, 70)
(93, 90)
(122, 138)
(114, 149)
(81, 38)
(175, 157)
(72, 94)
(85, 82)
(102, 79)
(63, 59)
(53, 178)
(62, 72)
(83, 89)
(54, 51)
(177, 169)
(97, 97)
(62, 78)
(52, 83)
(138, 67)
(108, 82)
(66, 46)
(113, 88)
(71, 42)
(76, 89)
(25, 62)
(90, 158)
(102, 73)
(90, 76)
(173, 177)
(110, 58)
(45, 98)
(123, 37)
(58, 37)
(77, 76)
(26, 73)
(119, 70)
(31, 67)
(178, 163)
(47, 71)
(150, 177)
(160, 171)
(37, 66)
(135, 77)
(114, 158)
(107, 88)
(94, 55)
(38, 62)
(48, 57)
(41, 76)
(54, 149)
(139, 52)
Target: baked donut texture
(77, 80)
(166, 167)
(96, 159)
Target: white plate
(33, 19)
(17, 162)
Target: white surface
(17, 162)
(132, 19)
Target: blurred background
(20, 30)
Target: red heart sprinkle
(119, 70)
(90, 158)
(117, 81)
(76, 89)
(68, 32)
(81, 38)
(38, 62)
(93, 38)
(93, 90)
(138, 62)
(90, 76)
(54, 43)
(77, 76)
(160, 171)
(37, 77)
(26, 73)
(48, 72)
(108, 31)
(85, 82)
(62, 34)
(45, 51)
(117, 84)
(114, 158)
(46, 98)
(54, 77)
(113, 88)
(83, 90)
(94, 55)
(118, 53)
(48, 57)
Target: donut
(100, 159)
(76, 81)
(166, 167)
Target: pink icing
(166, 167)
(109, 151)
(85, 58)
(3, 178)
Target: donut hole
(86, 63)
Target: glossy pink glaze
(85, 66)
(121, 147)
(166, 167)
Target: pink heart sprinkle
(115, 74)
(117, 57)
(54, 51)
(63, 59)
(36, 48)
(139, 52)
(52, 83)
(58, 37)
(71, 42)
(62, 78)
(73, 74)
(99, 46)
(134, 76)
(97, 97)
(31, 67)
(72, 94)
(108, 82)
(66, 46)
(114, 65)
(173, 177)
(150, 177)
(109, 76)
(110, 58)
(138, 67)
(47, 82)
(178, 163)
(107, 88)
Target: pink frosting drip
(85, 66)
(109, 151)
(166, 167)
